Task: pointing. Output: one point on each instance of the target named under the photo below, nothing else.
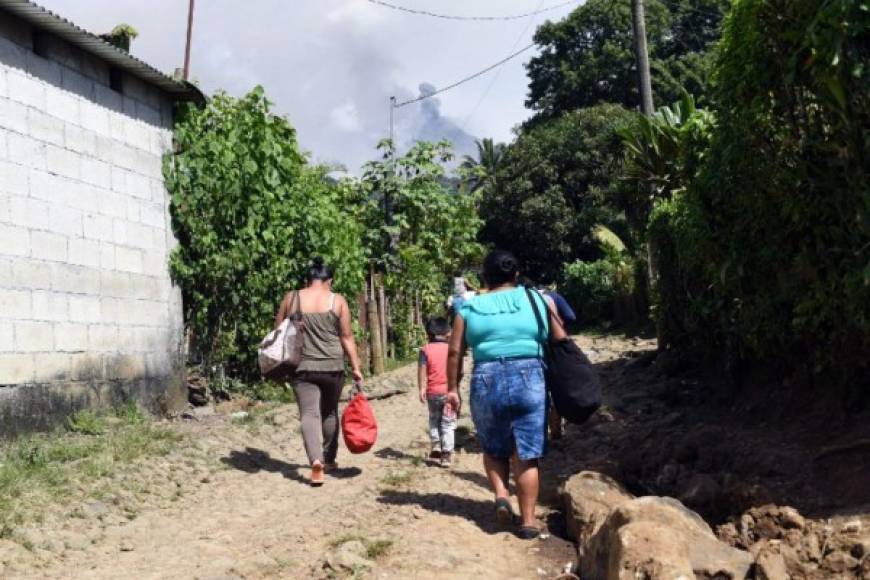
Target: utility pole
(388, 202)
(392, 108)
(638, 24)
(189, 36)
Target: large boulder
(708, 557)
(588, 498)
(650, 551)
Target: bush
(598, 290)
(765, 257)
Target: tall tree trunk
(365, 345)
(382, 316)
(376, 344)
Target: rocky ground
(783, 479)
(777, 497)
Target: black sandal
(504, 513)
(528, 532)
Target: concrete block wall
(88, 313)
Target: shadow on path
(253, 460)
(474, 477)
(479, 512)
(393, 453)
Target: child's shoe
(447, 459)
(435, 454)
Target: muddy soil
(233, 502)
(737, 455)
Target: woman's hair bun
(500, 267)
(507, 264)
(318, 270)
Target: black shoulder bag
(570, 378)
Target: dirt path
(232, 502)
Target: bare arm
(346, 337)
(282, 310)
(554, 310)
(422, 381)
(557, 327)
(455, 354)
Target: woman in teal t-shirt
(508, 395)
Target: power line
(495, 77)
(466, 79)
(456, 17)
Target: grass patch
(266, 391)
(87, 423)
(375, 548)
(392, 364)
(397, 478)
(38, 470)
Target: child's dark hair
(500, 267)
(437, 326)
(319, 271)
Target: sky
(331, 66)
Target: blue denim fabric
(509, 407)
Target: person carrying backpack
(508, 393)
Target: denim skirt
(509, 407)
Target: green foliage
(125, 30)
(767, 255)
(483, 171)
(590, 288)
(599, 289)
(121, 36)
(609, 241)
(588, 57)
(249, 214)
(555, 184)
(433, 231)
(87, 423)
(662, 155)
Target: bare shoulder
(340, 303)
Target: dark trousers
(317, 394)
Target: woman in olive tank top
(320, 376)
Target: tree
(433, 232)
(588, 57)
(483, 171)
(249, 214)
(662, 155)
(554, 186)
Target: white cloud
(345, 117)
(315, 56)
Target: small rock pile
(620, 536)
(785, 544)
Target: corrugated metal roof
(44, 19)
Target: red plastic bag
(358, 424)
